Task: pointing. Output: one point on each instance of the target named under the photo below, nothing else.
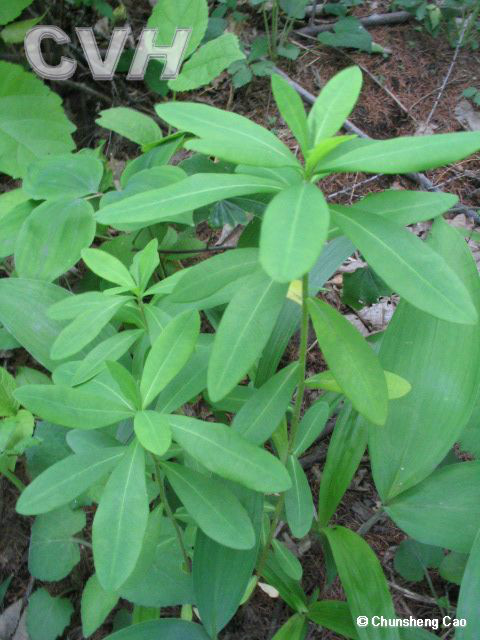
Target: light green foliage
(175, 395)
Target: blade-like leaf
(294, 231)
(76, 408)
(292, 110)
(409, 266)
(166, 629)
(415, 345)
(243, 332)
(401, 155)
(311, 426)
(363, 581)
(298, 500)
(213, 507)
(334, 104)
(67, 479)
(334, 615)
(227, 135)
(221, 574)
(209, 276)
(96, 605)
(344, 454)
(121, 519)
(191, 193)
(169, 353)
(261, 415)
(229, 455)
(108, 267)
(352, 361)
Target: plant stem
(302, 358)
(170, 514)
(267, 31)
(275, 10)
(14, 480)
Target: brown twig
(375, 20)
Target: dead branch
(375, 20)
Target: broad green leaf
(119, 382)
(209, 276)
(96, 605)
(86, 327)
(298, 500)
(11, 10)
(69, 176)
(53, 552)
(131, 124)
(67, 479)
(227, 135)
(8, 405)
(229, 455)
(401, 155)
(334, 104)
(352, 361)
(169, 353)
(414, 345)
(452, 567)
(15, 32)
(397, 387)
(207, 63)
(23, 312)
(110, 349)
(332, 256)
(213, 507)
(77, 408)
(311, 426)
(295, 628)
(345, 451)
(291, 109)
(153, 431)
(191, 193)
(108, 267)
(170, 15)
(220, 574)
(47, 617)
(32, 121)
(46, 250)
(159, 579)
(294, 230)
(121, 519)
(406, 207)
(444, 509)
(11, 222)
(363, 581)
(334, 615)
(412, 559)
(166, 629)
(260, 416)
(467, 607)
(409, 266)
(70, 306)
(243, 332)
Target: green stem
(275, 29)
(267, 31)
(302, 358)
(170, 514)
(14, 480)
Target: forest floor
(398, 96)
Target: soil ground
(411, 77)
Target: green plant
(187, 508)
(473, 94)
(457, 19)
